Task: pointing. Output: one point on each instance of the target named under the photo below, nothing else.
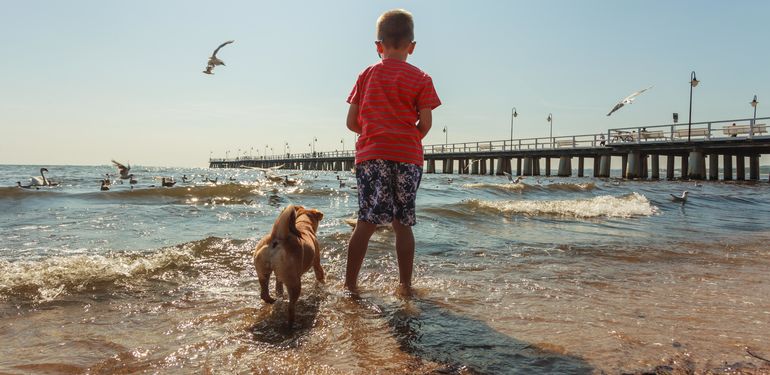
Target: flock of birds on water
(36, 182)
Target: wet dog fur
(289, 250)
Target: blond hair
(395, 28)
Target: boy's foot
(404, 291)
(351, 291)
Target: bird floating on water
(214, 61)
(628, 100)
(681, 199)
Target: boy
(390, 109)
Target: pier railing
(738, 129)
(695, 132)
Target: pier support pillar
(527, 167)
(431, 166)
(491, 169)
(685, 167)
(518, 166)
(754, 167)
(624, 166)
(581, 165)
(595, 171)
(501, 162)
(655, 163)
(565, 166)
(713, 167)
(727, 167)
(670, 159)
(605, 165)
(740, 167)
(697, 165)
(547, 165)
(475, 166)
(536, 166)
(482, 166)
(634, 165)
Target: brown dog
(289, 250)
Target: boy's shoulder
(391, 65)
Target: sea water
(551, 275)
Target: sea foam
(625, 206)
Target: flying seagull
(214, 60)
(123, 170)
(628, 100)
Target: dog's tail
(286, 224)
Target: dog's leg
(278, 288)
(264, 288)
(319, 272)
(294, 291)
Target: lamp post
(446, 135)
(693, 82)
(342, 140)
(315, 139)
(266, 147)
(285, 146)
(513, 116)
(754, 121)
(227, 154)
(550, 120)
(251, 154)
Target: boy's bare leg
(359, 243)
(405, 254)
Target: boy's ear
(378, 45)
(411, 47)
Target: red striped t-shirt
(390, 95)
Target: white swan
(40, 181)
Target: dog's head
(314, 215)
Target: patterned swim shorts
(387, 191)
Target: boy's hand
(352, 120)
(426, 121)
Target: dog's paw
(268, 299)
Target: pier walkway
(733, 142)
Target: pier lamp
(315, 139)
(513, 116)
(227, 154)
(693, 82)
(550, 120)
(446, 135)
(754, 121)
(266, 147)
(285, 146)
(342, 140)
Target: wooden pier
(697, 150)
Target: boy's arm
(352, 120)
(426, 121)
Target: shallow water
(555, 275)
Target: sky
(84, 82)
